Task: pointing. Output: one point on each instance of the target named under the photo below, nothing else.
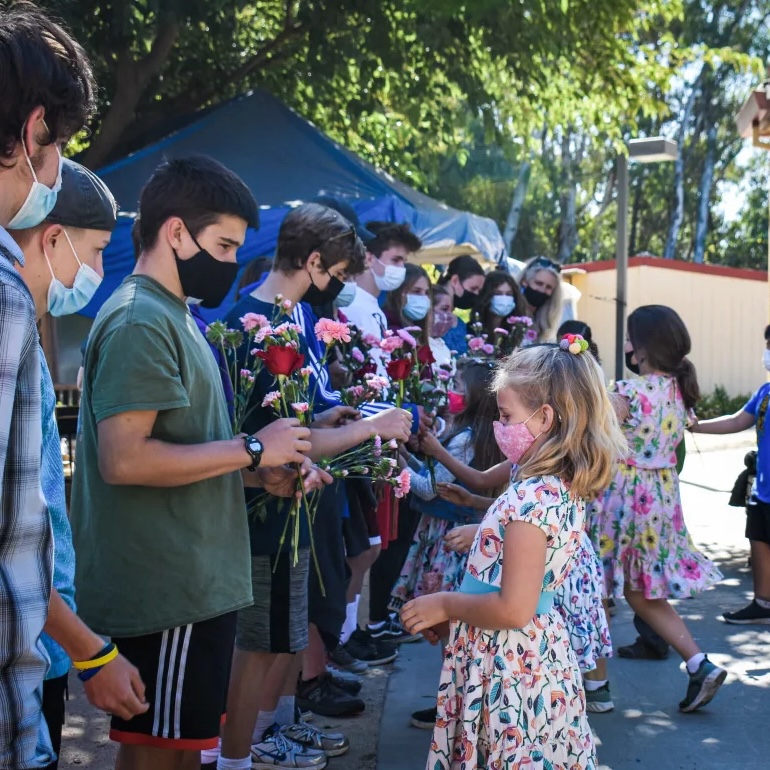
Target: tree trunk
(517, 203)
(677, 217)
(706, 184)
(571, 159)
(131, 79)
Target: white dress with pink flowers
(637, 524)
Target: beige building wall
(725, 313)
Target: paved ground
(646, 730)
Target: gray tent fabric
(285, 160)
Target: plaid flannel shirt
(26, 545)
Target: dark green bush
(719, 403)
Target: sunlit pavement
(646, 729)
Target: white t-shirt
(365, 312)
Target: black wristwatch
(255, 449)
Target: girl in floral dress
(511, 693)
(637, 523)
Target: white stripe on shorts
(180, 682)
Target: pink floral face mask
(514, 440)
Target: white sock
(763, 603)
(594, 684)
(234, 764)
(284, 714)
(209, 756)
(351, 620)
(265, 720)
(694, 662)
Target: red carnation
(425, 355)
(399, 369)
(370, 368)
(281, 361)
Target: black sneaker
(425, 719)
(321, 697)
(753, 614)
(350, 686)
(392, 631)
(641, 650)
(374, 653)
(341, 658)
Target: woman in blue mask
(499, 300)
(411, 303)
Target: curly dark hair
(41, 66)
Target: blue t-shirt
(265, 535)
(455, 338)
(52, 481)
(758, 407)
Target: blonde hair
(548, 317)
(585, 441)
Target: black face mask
(534, 297)
(204, 277)
(315, 296)
(632, 367)
(466, 301)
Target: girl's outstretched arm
(513, 607)
(479, 481)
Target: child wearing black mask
(464, 279)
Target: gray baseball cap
(84, 201)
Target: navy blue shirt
(265, 536)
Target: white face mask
(416, 306)
(346, 296)
(66, 301)
(766, 359)
(392, 278)
(502, 305)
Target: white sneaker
(276, 750)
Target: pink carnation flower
(357, 355)
(271, 398)
(501, 331)
(393, 444)
(406, 337)
(300, 407)
(476, 343)
(531, 335)
(286, 304)
(253, 320)
(376, 382)
(263, 333)
(370, 340)
(330, 331)
(488, 349)
(403, 484)
(389, 344)
(306, 371)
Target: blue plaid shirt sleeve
(25, 532)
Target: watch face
(255, 445)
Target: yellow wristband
(84, 665)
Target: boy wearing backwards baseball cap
(62, 270)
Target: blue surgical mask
(40, 200)
(346, 296)
(416, 307)
(66, 301)
(502, 305)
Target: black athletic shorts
(758, 521)
(186, 671)
(54, 691)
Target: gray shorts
(277, 621)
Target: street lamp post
(653, 150)
(753, 122)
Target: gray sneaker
(703, 686)
(599, 701)
(276, 750)
(332, 744)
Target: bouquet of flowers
(356, 353)
(242, 375)
(371, 390)
(520, 330)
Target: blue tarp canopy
(285, 160)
